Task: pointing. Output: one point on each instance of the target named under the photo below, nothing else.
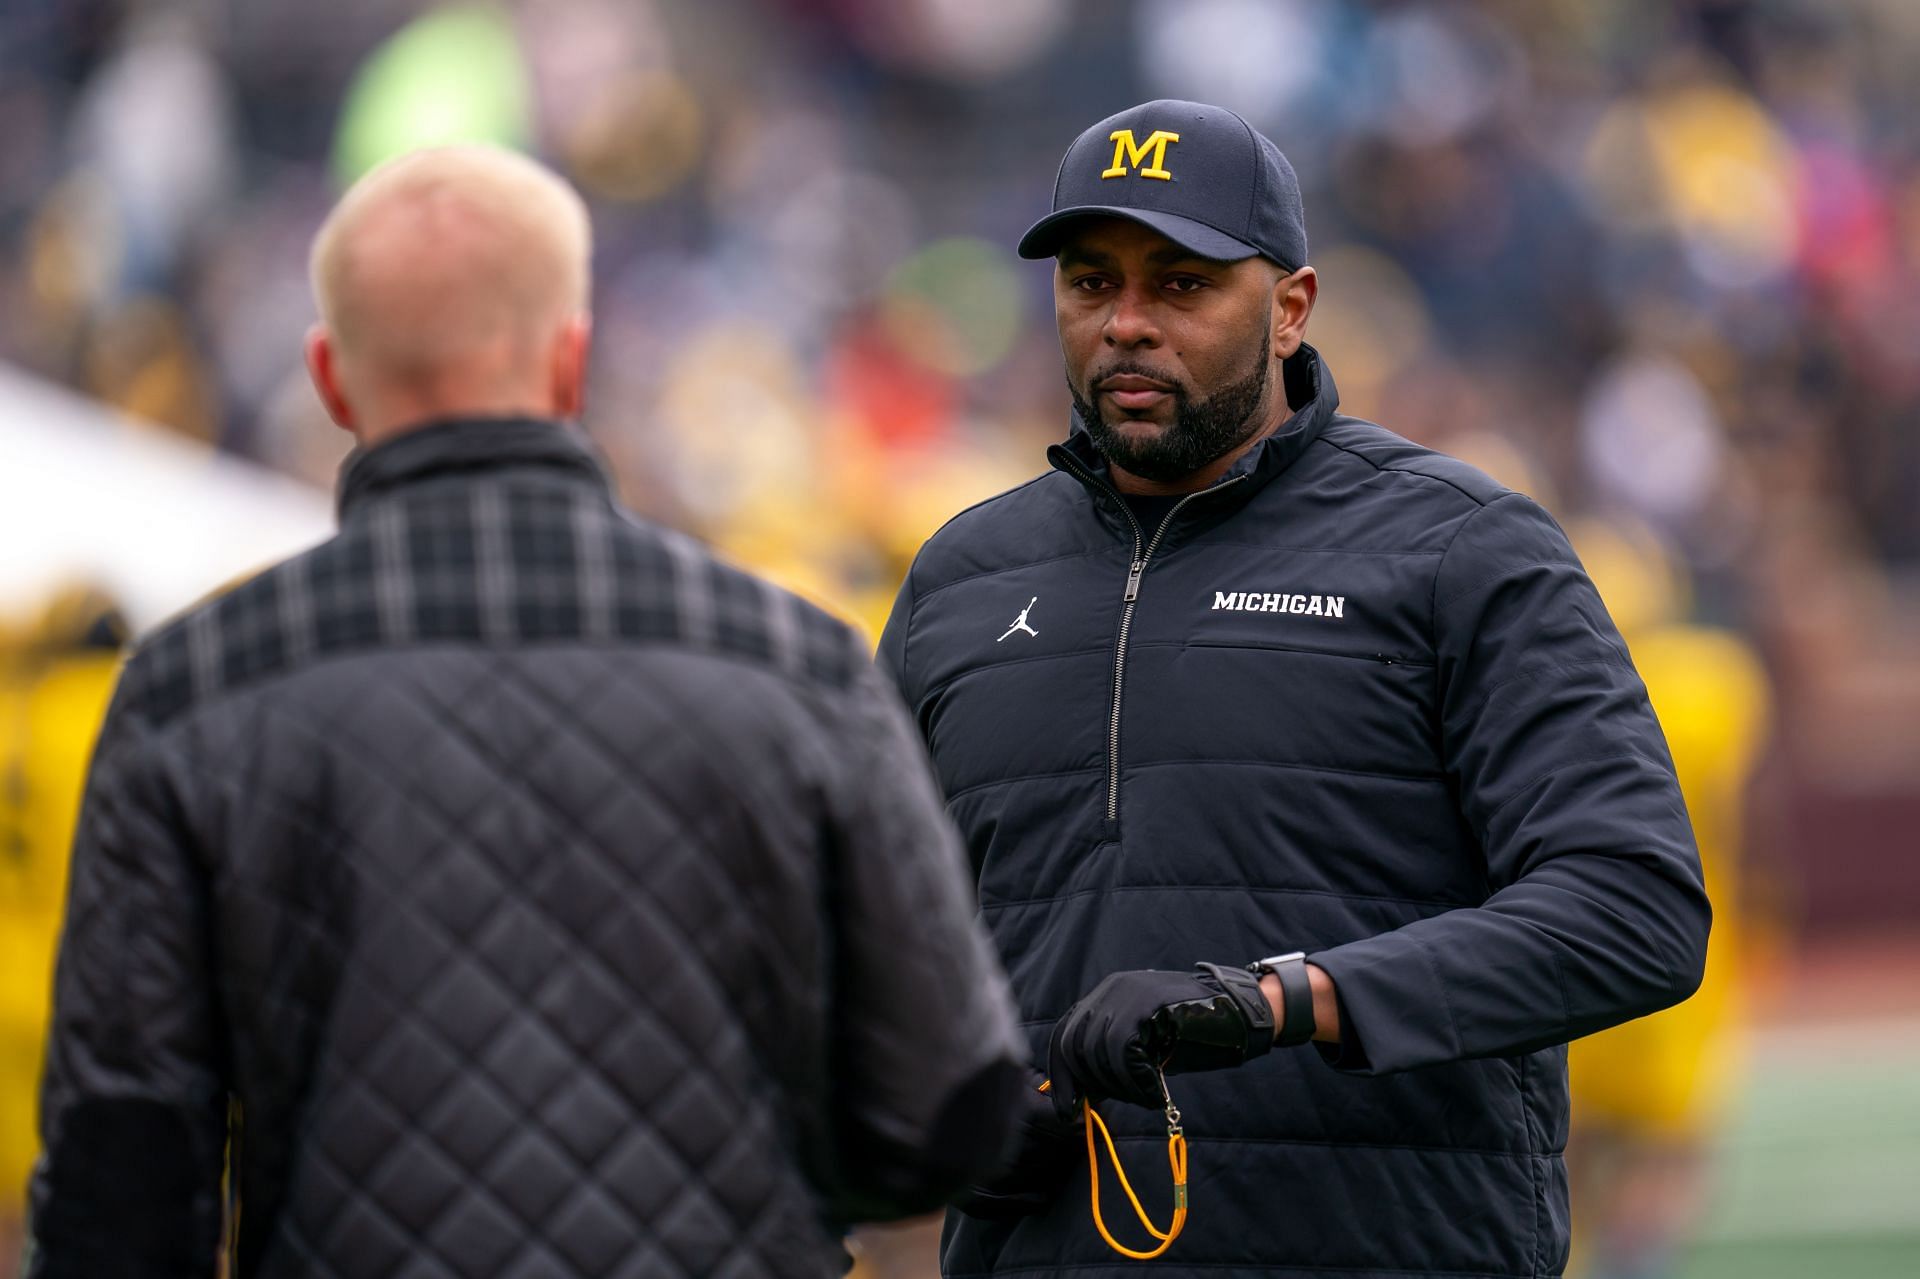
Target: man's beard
(1202, 430)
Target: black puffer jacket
(1355, 699)
(549, 900)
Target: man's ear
(571, 350)
(1293, 299)
(323, 366)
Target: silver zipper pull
(1133, 580)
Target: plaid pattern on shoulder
(492, 562)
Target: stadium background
(1656, 263)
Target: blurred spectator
(1649, 1096)
(56, 673)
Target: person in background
(505, 887)
(1648, 1096)
(56, 675)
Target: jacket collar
(467, 447)
(1309, 384)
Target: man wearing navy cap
(1267, 728)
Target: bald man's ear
(569, 373)
(1293, 299)
(323, 367)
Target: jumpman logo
(1020, 622)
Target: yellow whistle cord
(1176, 1161)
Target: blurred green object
(956, 306)
(452, 75)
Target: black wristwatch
(1296, 996)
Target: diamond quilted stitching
(585, 1116)
(416, 1183)
(528, 1062)
(522, 947)
(684, 1116)
(413, 1068)
(470, 1120)
(466, 1005)
(476, 1237)
(742, 1165)
(368, 1235)
(582, 1004)
(643, 1173)
(533, 1174)
(700, 1234)
(356, 1148)
(646, 1261)
(423, 1265)
(400, 955)
(461, 893)
(592, 1231)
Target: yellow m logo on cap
(1126, 153)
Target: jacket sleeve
(1597, 912)
(926, 1057)
(134, 1099)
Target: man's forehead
(1103, 239)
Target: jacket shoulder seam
(1403, 470)
(1433, 601)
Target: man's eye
(1092, 284)
(1186, 284)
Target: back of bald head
(451, 263)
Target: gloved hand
(1039, 1157)
(1115, 1040)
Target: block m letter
(1126, 154)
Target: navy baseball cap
(1199, 175)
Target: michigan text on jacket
(1268, 602)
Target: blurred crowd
(1653, 261)
(1656, 262)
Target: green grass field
(1819, 1175)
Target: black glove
(1114, 1042)
(1039, 1157)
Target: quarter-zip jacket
(1356, 699)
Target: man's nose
(1130, 321)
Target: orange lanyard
(1176, 1161)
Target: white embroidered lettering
(1278, 602)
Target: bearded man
(1332, 716)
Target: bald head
(451, 282)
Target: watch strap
(1296, 996)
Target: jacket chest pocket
(1319, 660)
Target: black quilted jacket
(1354, 699)
(523, 893)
